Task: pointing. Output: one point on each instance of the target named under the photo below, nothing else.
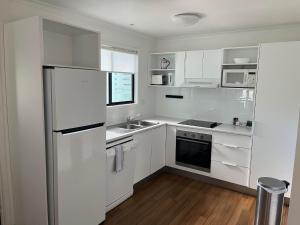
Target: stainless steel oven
(193, 150)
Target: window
(121, 66)
(120, 88)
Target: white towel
(119, 158)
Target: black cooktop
(200, 123)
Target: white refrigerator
(75, 106)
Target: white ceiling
(153, 17)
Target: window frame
(110, 103)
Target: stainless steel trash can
(270, 199)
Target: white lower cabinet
(158, 149)
(143, 154)
(150, 152)
(231, 155)
(230, 172)
(171, 146)
(236, 155)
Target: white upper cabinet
(212, 60)
(179, 68)
(70, 46)
(194, 64)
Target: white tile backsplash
(215, 104)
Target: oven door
(234, 78)
(194, 154)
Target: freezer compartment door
(78, 97)
(80, 177)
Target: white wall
(110, 35)
(219, 105)
(230, 39)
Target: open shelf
(237, 64)
(162, 69)
(250, 52)
(157, 58)
(70, 46)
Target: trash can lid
(272, 184)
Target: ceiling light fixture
(187, 19)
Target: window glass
(122, 88)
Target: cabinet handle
(230, 146)
(229, 164)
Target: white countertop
(113, 133)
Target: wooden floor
(172, 199)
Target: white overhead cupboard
(201, 68)
(204, 66)
(29, 45)
(276, 112)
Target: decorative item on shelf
(241, 60)
(164, 63)
(249, 123)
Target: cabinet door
(158, 148)
(179, 68)
(212, 60)
(276, 112)
(143, 155)
(194, 65)
(171, 146)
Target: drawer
(232, 140)
(230, 173)
(235, 155)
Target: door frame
(6, 193)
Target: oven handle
(194, 141)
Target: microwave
(162, 79)
(239, 78)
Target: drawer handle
(230, 146)
(229, 164)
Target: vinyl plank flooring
(170, 199)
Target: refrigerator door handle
(79, 129)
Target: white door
(78, 97)
(276, 112)
(143, 155)
(194, 65)
(80, 183)
(212, 60)
(158, 149)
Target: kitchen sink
(135, 125)
(129, 126)
(142, 123)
